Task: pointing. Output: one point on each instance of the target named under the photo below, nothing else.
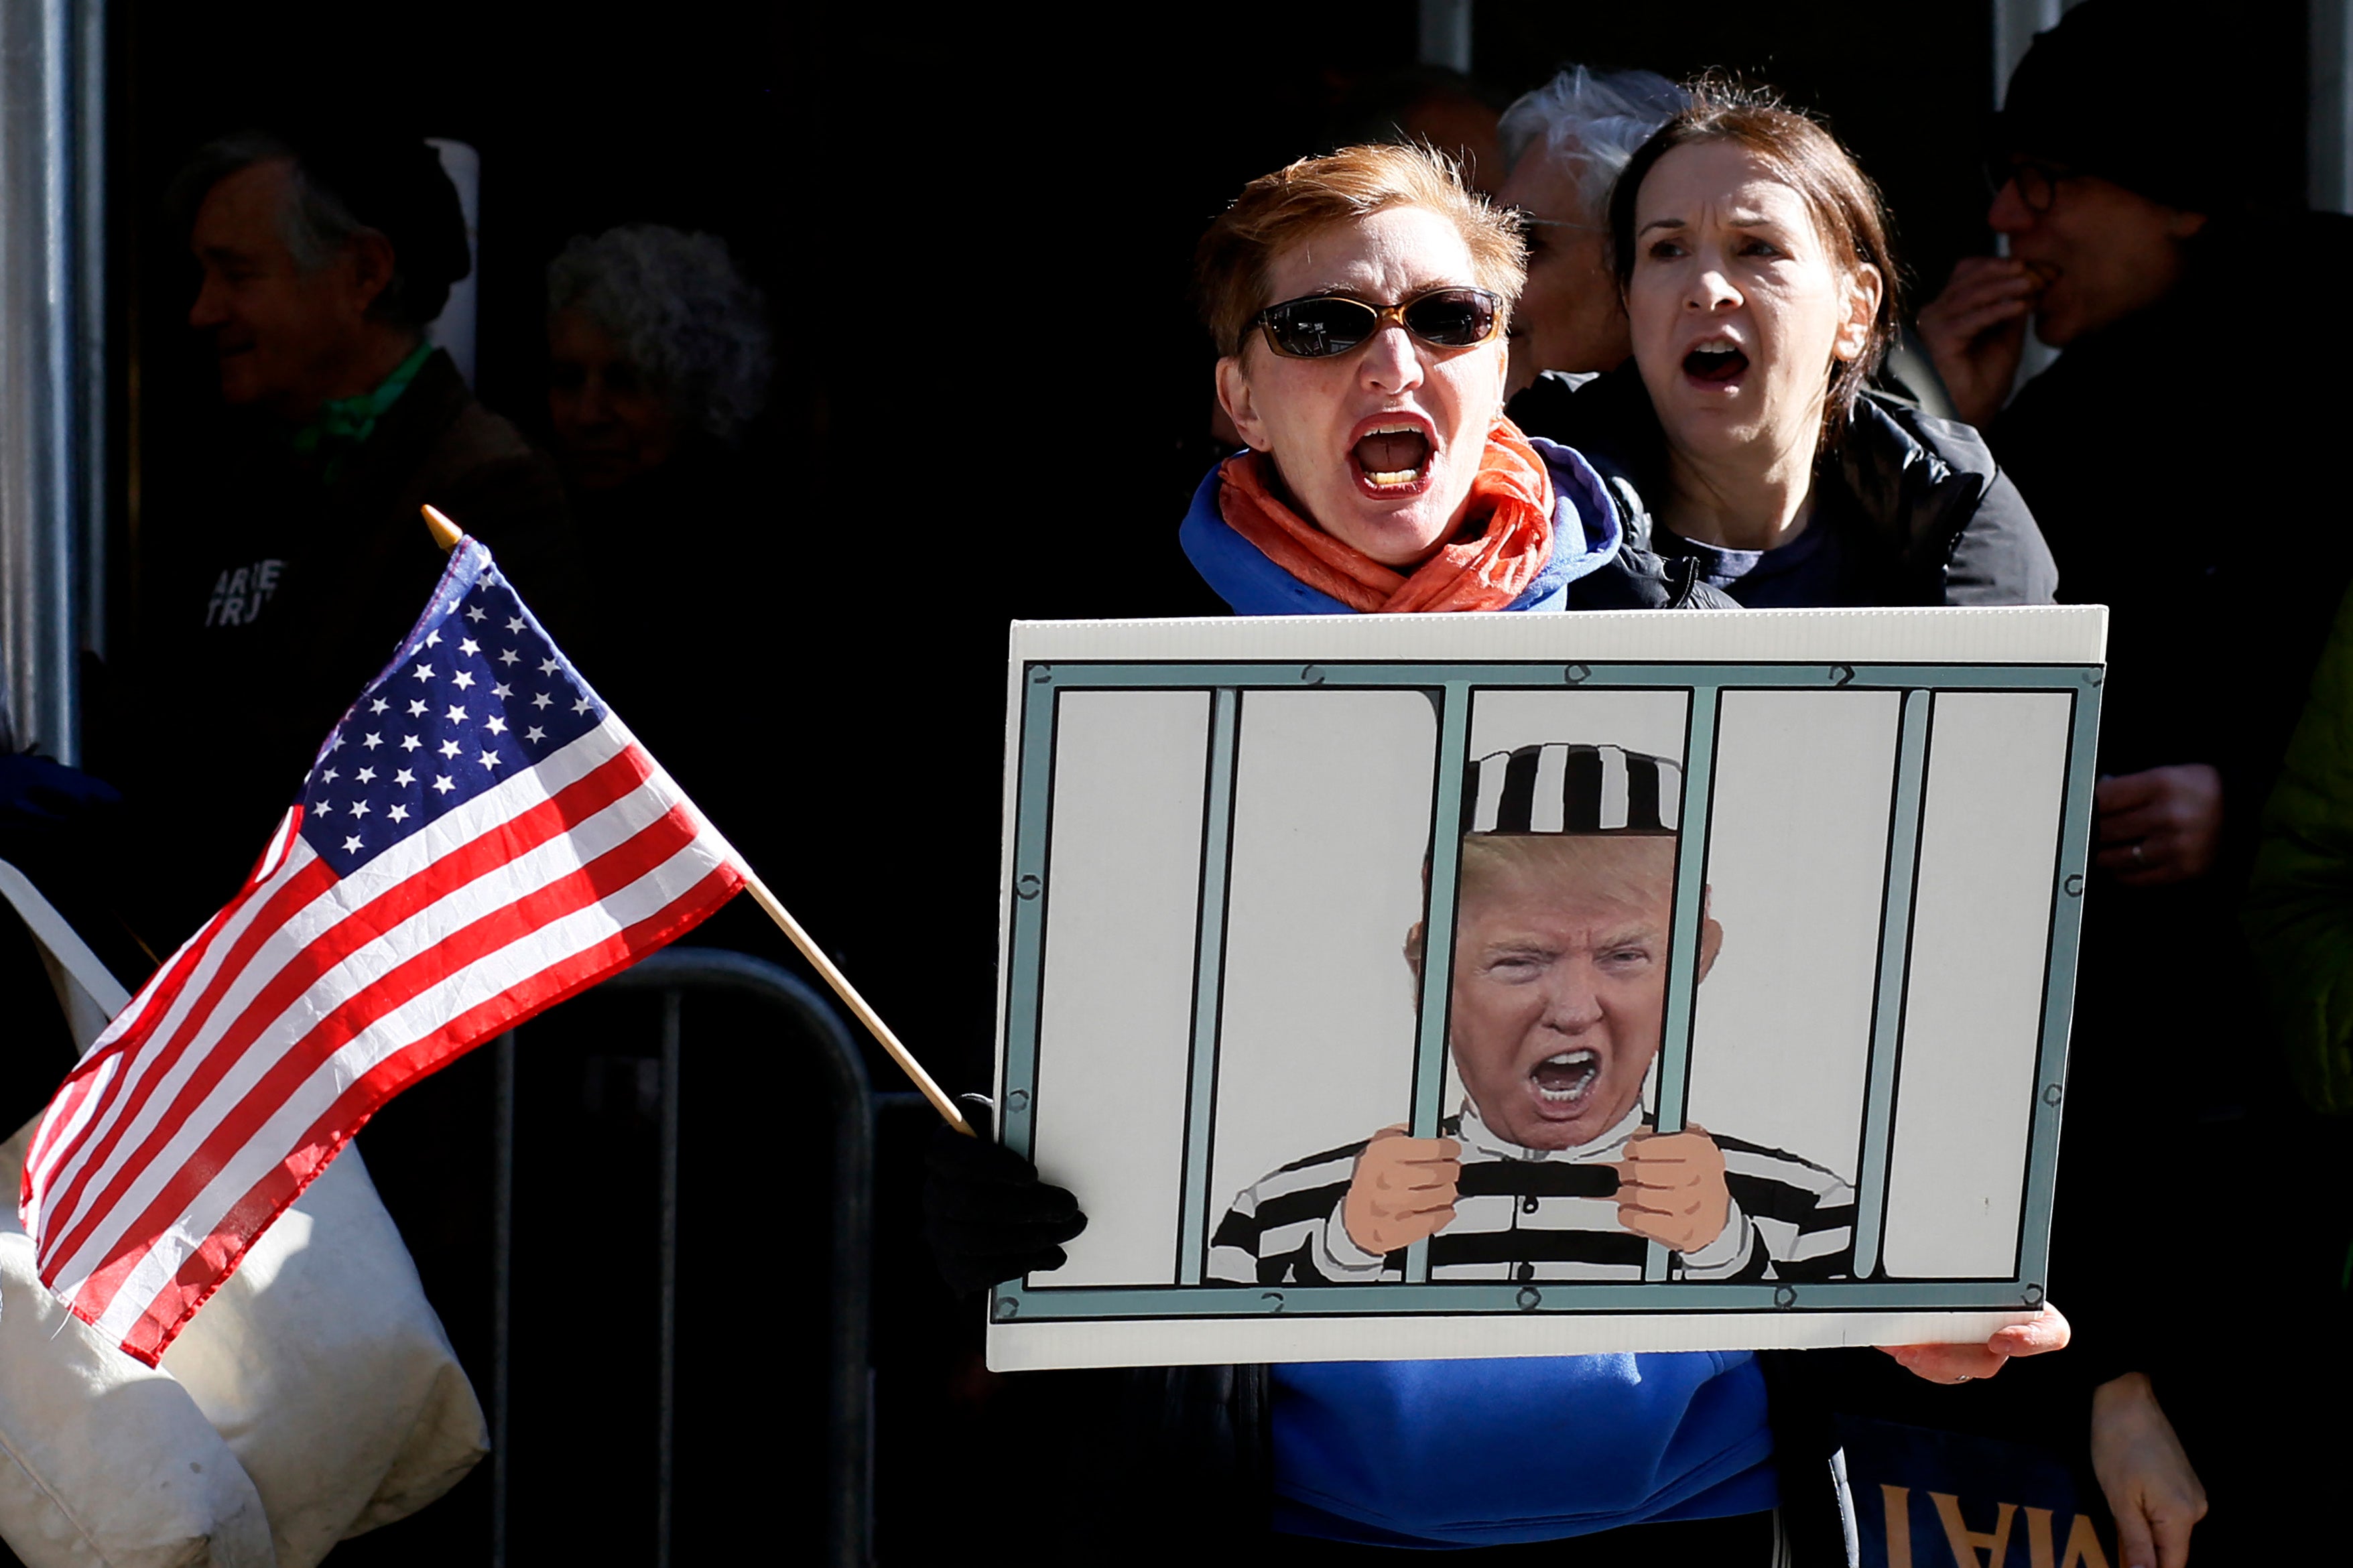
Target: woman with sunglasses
(1744, 438)
(1359, 303)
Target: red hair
(1235, 257)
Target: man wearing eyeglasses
(2085, 252)
(1564, 144)
(2179, 457)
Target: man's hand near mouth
(1975, 330)
(1670, 1188)
(1403, 1190)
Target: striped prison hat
(1562, 788)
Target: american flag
(480, 837)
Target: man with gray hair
(1564, 144)
(283, 560)
(320, 267)
(286, 553)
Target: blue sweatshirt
(1479, 1453)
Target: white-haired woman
(657, 349)
(658, 354)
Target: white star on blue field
(480, 693)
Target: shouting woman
(1360, 304)
(1744, 437)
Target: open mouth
(1715, 362)
(1392, 456)
(1563, 1078)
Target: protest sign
(1420, 986)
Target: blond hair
(1234, 260)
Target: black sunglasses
(1321, 325)
(2037, 178)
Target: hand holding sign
(2046, 1331)
(1633, 891)
(1403, 1190)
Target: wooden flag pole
(446, 534)
(853, 1001)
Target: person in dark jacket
(283, 573)
(1746, 439)
(1360, 303)
(1743, 437)
(658, 364)
(2183, 470)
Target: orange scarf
(1487, 571)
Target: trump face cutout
(1559, 988)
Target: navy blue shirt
(1810, 573)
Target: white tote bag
(314, 1397)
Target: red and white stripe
(244, 1064)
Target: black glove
(987, 1214)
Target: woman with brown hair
(1744, 437)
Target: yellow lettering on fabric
(1899, 1524)
(2038, 1538)
(1967, 1542)
(2084, 1545)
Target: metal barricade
(675, 973)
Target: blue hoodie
(1480, 1452)
(1586, 535)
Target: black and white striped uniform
(1535, 1214)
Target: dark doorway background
(992, 397)
(991, 403)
